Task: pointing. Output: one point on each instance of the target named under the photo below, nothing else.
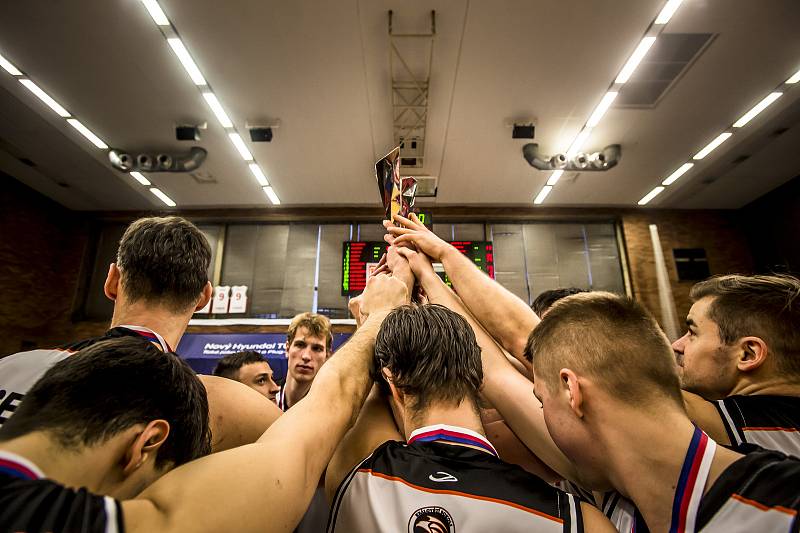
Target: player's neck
(294, 390)
(772, 385)
(463, 416)
(169, 325)
(645, 457)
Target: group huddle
(450, 409)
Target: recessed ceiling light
(652, 194)
(272, 196)
(163, 197)
(668, 11)
(237, 141)
(672, 178)
(635, 59)
(721, 138)
(794, 79)
(758, 108)
(543, 194)
(579, 141)
(186, 60)
(8, 67)
(46, 98)
(259, 174)
(140, 178)
(554, 177)
(156, 12)
(86, 132)
(216, 107)
(601, 109)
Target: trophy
(397, 193)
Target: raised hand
(383, 293)
(414, 234)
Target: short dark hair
(229, 366)
(545, 300)
(110, 386)
(765, 306)
(164, 260)
(611, 338)
(432, 354)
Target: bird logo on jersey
(431, 520)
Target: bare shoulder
(594, 521)
(706, 416)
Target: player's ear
(111, 286)
(205, 296)
(570, 387)
(145, 445)
(753, 351)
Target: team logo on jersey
(431, 520)
(443, 477)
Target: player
(252, 369)
(309, 343)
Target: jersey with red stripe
(19, 371)
(772, 422)
(444, 488)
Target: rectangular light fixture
(163, 197)
(186, 60)
(554, 177)
(601, 109)
(721, 138)
(635, 59)
(86, 132)
(579, 141)
(652, 194)
(794, 79)
(672, 178)
(46, 98)
(8, 67)
(140, 178)
(272, 196)
(669, 10)
(259, 174)
(216, 107)
(758, 108)
(237, 141)
(155, 11)
(543, 194)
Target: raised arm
(267, 486)
(507, 318)
(505, 388)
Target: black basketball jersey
(444, 488)
(772, 422)
(32, 504)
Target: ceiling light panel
(186, 60)
(652, 194)
(672, 178)
(579, 141)
(794, 79)
(710, 147)
(237, 141)
(216, 107)
(8, 67)
(86, 132)
(601, 109)
(46, 98)
(156, 12)
(554, 177)
(270, 192)
(138, 176)
(758, 108)
(669, 9)
(163, 197)
(542, 194)
(636, 58)
(259, 174)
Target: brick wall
(41, 252)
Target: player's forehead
(252, 369)
(304, 335)
(698, 313)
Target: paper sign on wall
(238, 299)
(221, 299)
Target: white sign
(238, 299)
(221, 299)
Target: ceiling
(322, 69)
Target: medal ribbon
(691, 482)
(454, 434)
(150, 335)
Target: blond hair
(317, 326)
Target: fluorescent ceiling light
(553, 179)
(260, 177)
(216, 107)
(8, 67)
(163, 197)
(677, 174)
(635, 59)
(272, 196)
(721, 138)
(140, 178)
(237, 141)
(543, 194)
(601, 109)
(794, 79)
(579, 141)
(652, 194)
(155, 11)
(669, 10)
(186, 60)
(86, 132)
(758, 108)
(46, 98)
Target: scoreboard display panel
(360, 258)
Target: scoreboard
(359, 258)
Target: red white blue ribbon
(691, 482)
(454, 434)
(13, 465)
(150, 335)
